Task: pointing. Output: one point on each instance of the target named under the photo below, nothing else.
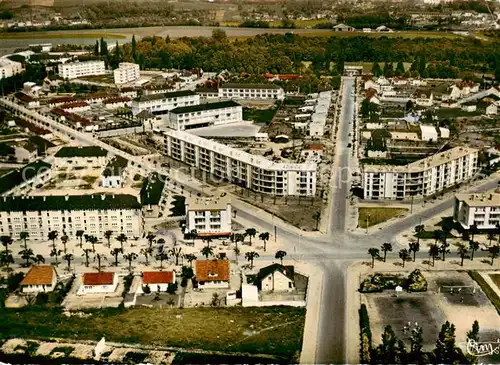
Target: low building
(491, 109)
(343, 28)
(98, 283)
(73, 70)
(56, 102)
(126, 72)
(428, 133)
(205, 115)
(208, 216)
(469, 107)
(114, 173)
(21, 181)
(9, 68)
(276, 277)
(481, 209)
(27, 100)
(75, 107)
(128, 92)
(158, 281)
(152, 195)
(39, 279)
(159, 104)
(251, 91)
(88, 156)
(353, 70)
(116, 103)
(212, 274)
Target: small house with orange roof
(212, 274)
(42, 278)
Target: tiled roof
(266, 271)
(212, 270)
(98, 278)
(39, 275)
(157, 277)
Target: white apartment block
(251, 91)
(483, 210)
(420, 178)
(9, 68)
(253, 172)
(126, 72)
(94, 214)
(204, 115)
(162, 103)
(209, 216)
(73, 70)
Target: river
(11, 41)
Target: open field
(271, 330)
(61, 34)
(377, 215)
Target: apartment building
(208, 216)
(251, 91)
(162, 103)
(94, 214)
(126, 72)
(9, 68)
(483, 210)
(230, 164)
(88, 156)
(73, 70)
(21, 181)
(420, 178)
(204, 115)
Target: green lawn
(377, 215)
(259, 115)
(268, 330)
(445, 113)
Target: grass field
(377, 215)
(259, 115)
(271, 330)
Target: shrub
(66, 350)
(146, 289)
(171, 289)
(14, 280)
(127, 282)
(42, 299)
(365, 336)
(134, 357)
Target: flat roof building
(73, 70)
(481, 209)
(126, 72)
(208, 216)
(162, 103)
(251, 91)
(205, 115)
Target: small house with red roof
(98, 283)
(212, 274)
(157, 281)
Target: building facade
(251, 91)
(39, 279)
(230, 164)
(483, 210)
(89, 156)
(126, 72)
(94, 214)
(162, 103)
(420, 178)
(98, 283)
(204, 115)
(212, 274)
(74, 70)
(209, 216)
(9, 68)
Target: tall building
(73, 70)
(204, 115)
(251, 91)
(230, 164)
(126, 72)
(9, 68)
(483, 210)
(420, 178)
(209, 216)
(94, 214)
(162, 103)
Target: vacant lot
(276, 330)
(374, 216)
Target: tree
(207, 251)
(6, 242)
(385, 248)
(121, 238)
(445, 345)
(388, 69)
(474, 246)
(207, 240)
(493, 253)
(264, 237)
(130, 257)
(416, 344)
(422, 64)
(339, 65)
(251, 232)
(414, 247)
(104, 48)
(250, 256)
(280, 255)
(409, 105)
(400, 69)
(374, 253)
(462, 252)
(239, 237)
(28, 255)
(376, 69)
(92, 240)
(134, 48)
(386, 351)
(237, 252)
(6, 259)
(53, 236)
(151, 238)
(80, 234)
(491, 237)
(473, 230)
(118, 55)
(473, 334)
(146, 252)
(190, 258)
(219, 35)
(444, 247)
(99, 258)
(96, 48)
(64, 240)
(419, 230)
(86, 252)
(55, 253)
(404, 255)
(68, 258)
(108, 235)
(433, 252)
(161, 257)
(177, 252)
(316, 216)
(365, 108)
(39, 259)
(24, 236)
(115, 252)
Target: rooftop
(152, 189)
(212, 270)
(98, 278)
(480, 200)
(68, 202)
(17, 177)
(266, 271)
(81, 151)
(249, 86)
(203, 203)
(158, 277)
(202, 107)
(39, 275)
(174, 94)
